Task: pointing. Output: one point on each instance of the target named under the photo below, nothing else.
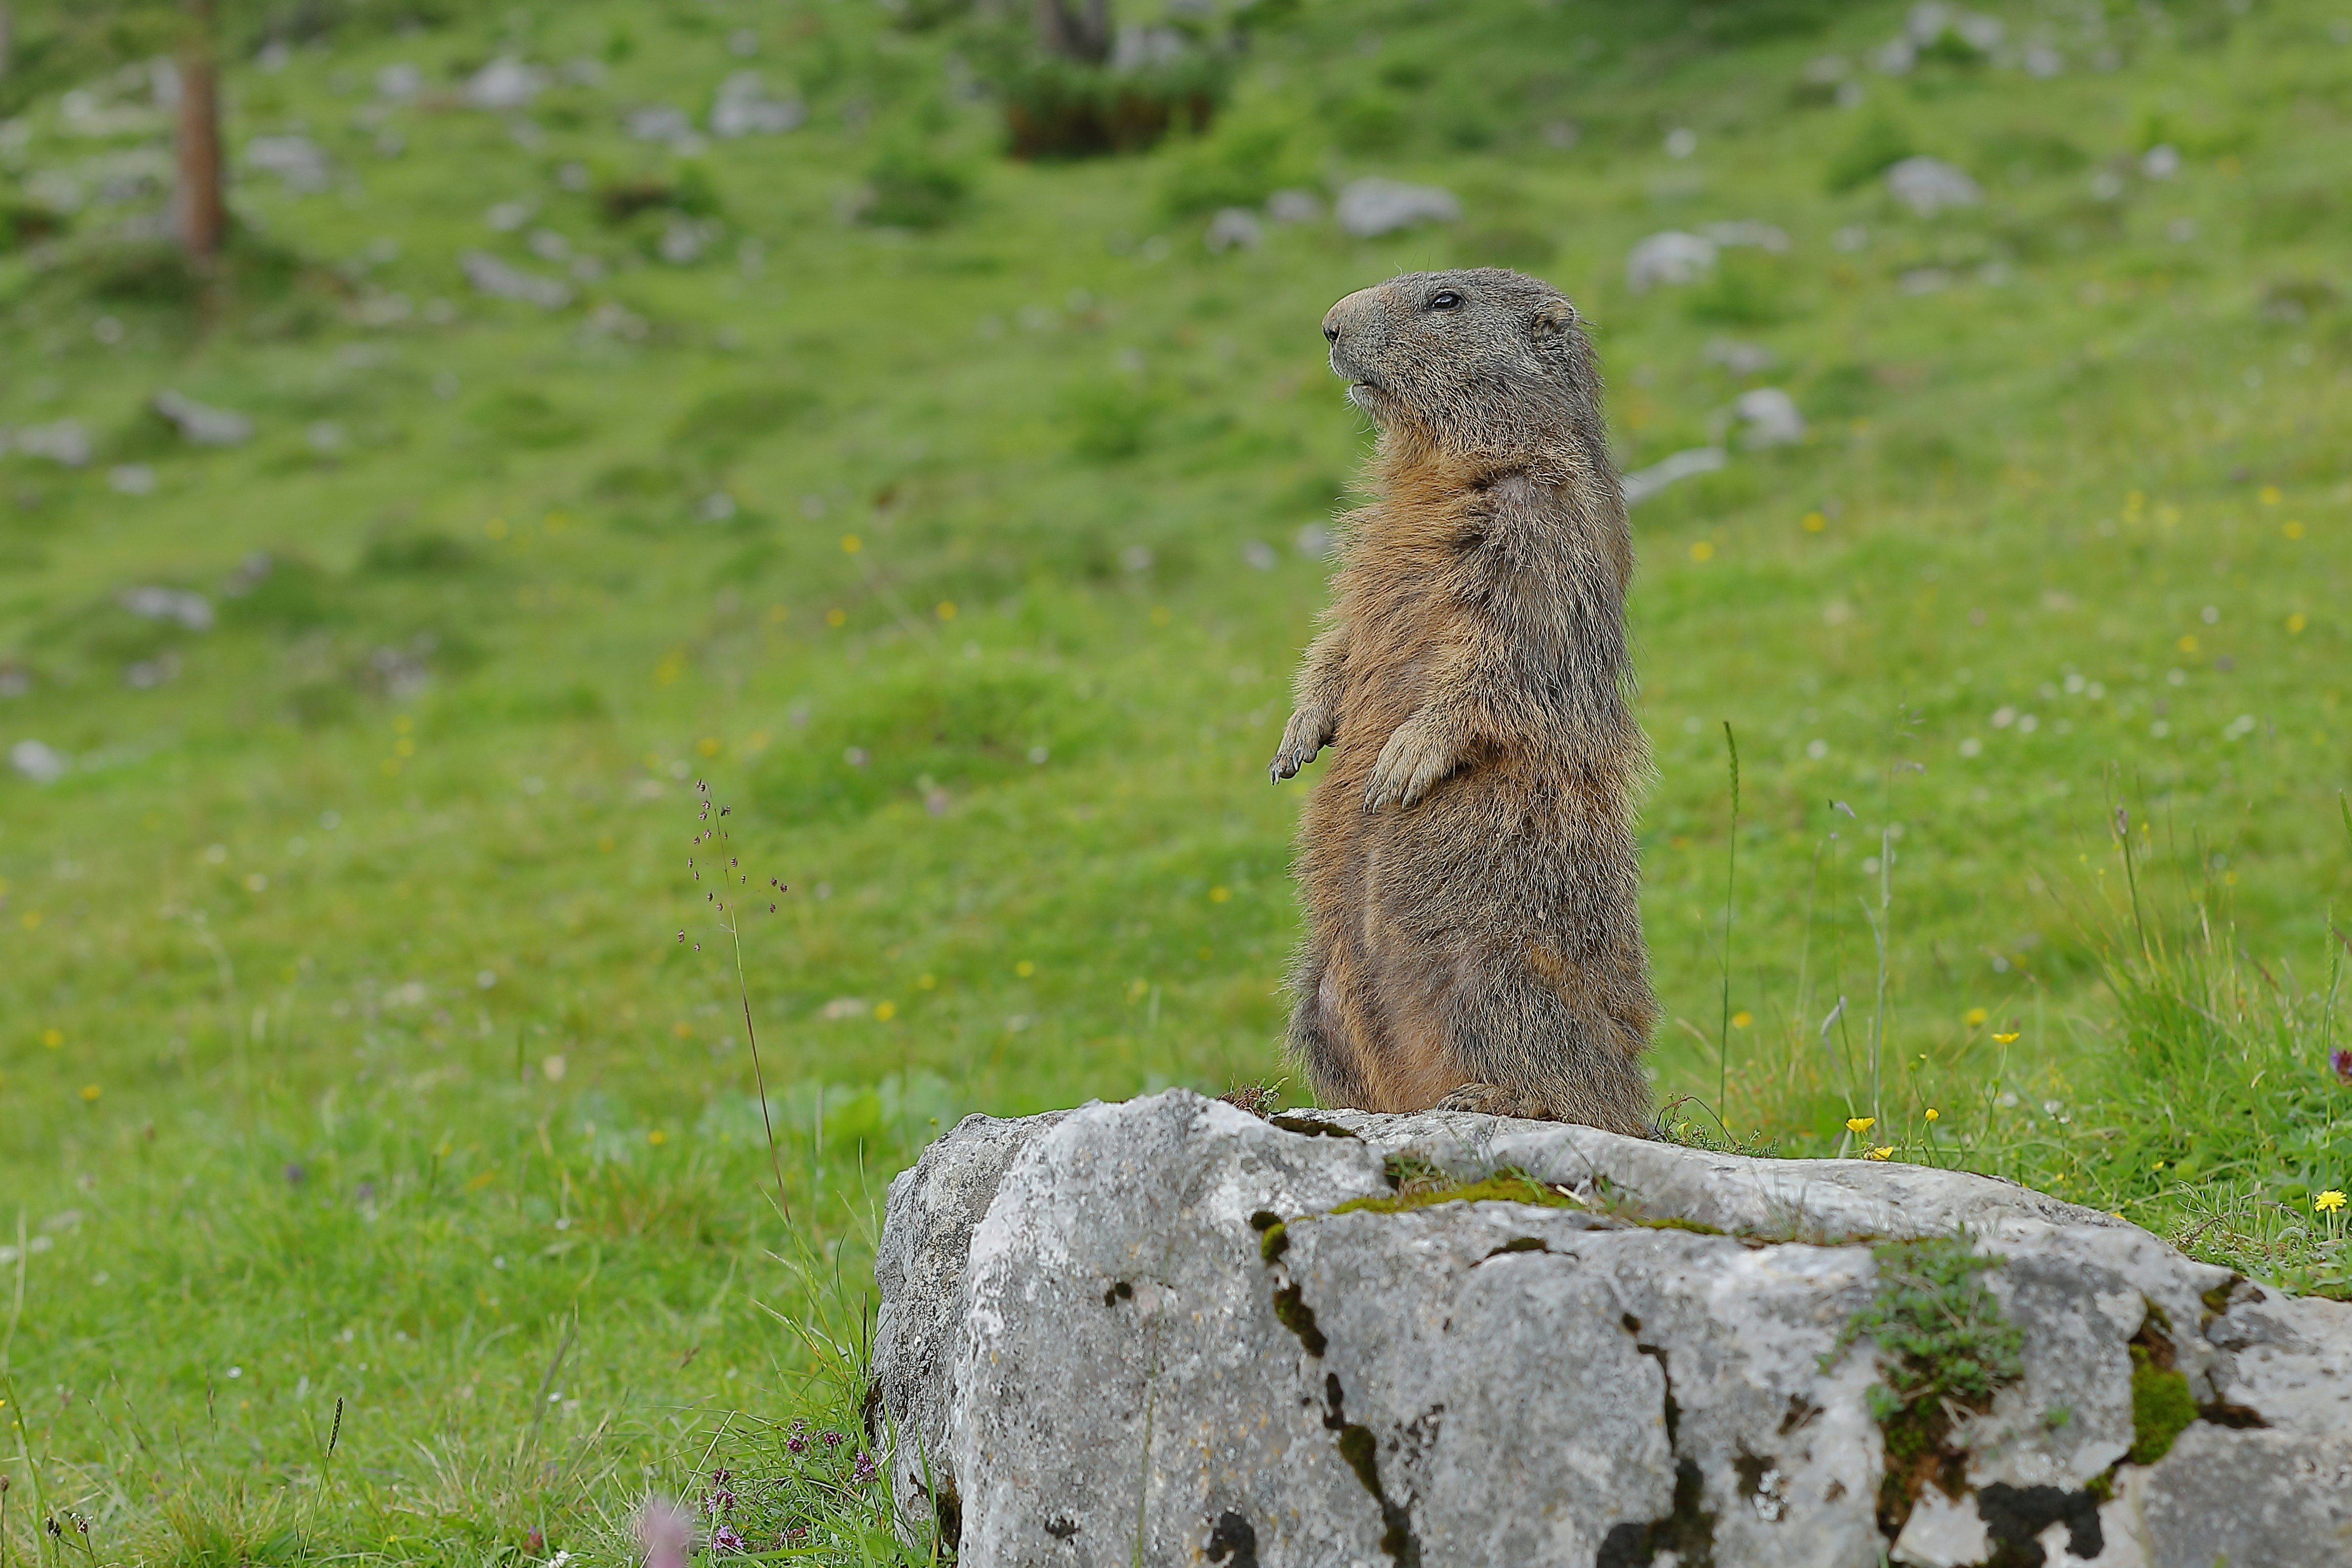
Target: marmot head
(1483, 364)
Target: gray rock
(1294, 206)
(2279, 1500)
(298, 162)
(1233, 228)
(65, 442)
(1672, 258)
(1643, 483)
(927, 1228)
(192, 611)
(1749, 232)
(1371, 207)
(659, 123)
(199, 424)
(505, 83)
(1738, 357)
(38, 761)
(744, 109)
(1928, 186)
(503, 280)
(1142, 1332)
(1768, 418)
(399, 81)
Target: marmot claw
(1414, 758)
(1302, 738)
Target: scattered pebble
(1370, 208)
(199, 424)
(38, 761)
(399, 82)
(1928, 186)
(1672, 258)
(1233, 228)
(64, 442)
(1738, 357)
(1769, 417)
(297, 161)
(744, 109)
(1643, 483)
(1748, 232)
(501, 280)
(192, 611)
(684, 241)
(131, 479)
(659, 123)
(1294, 206)
(505, 83)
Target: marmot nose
(1330, 332)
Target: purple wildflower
(727, 1539)
(862, 1472)
(664, 1533)
(2340, 1060)
(833, 1439)
(797, 1442)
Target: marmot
(1473, 937)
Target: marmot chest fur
(1473, 921)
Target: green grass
(346, 1039)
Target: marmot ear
(1555, 317)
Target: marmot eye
(1445, 299)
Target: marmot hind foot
(1500, 1100)
(1494, 1099)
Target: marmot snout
(1474, 930)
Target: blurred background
(436, 435)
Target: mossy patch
(2162, 1406)
(1944, 1343)
(1509, 1185)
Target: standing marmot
(1474, 935)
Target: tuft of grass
(1943, 1343)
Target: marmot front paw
(1308, 731)
(1415, 757)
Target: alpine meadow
(676, 531)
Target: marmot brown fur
(1474, 935)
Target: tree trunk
(202, 215)
(1075, 36)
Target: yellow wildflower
(1860, 1123)
(1934, 1114)
(2005, 1040)
(1976, 1016)
(1879, 1153)
(2329, 1200)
